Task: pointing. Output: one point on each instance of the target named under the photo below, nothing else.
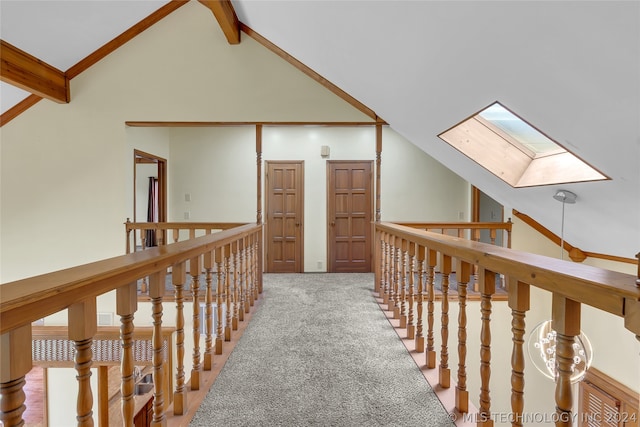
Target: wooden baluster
(208, 300)
(445, 372)
(397, 261)
(463, 275)
(180, 394)
(475, 282)
(260, 252)
(176, 235)
(159, 235)
(392, 274)
(257, 263)
(519, 304)
(219, 255)
(431, 277)
(384, 273)
(227, 291)
(128, 234)
(156, 293)
(411, 329)
(143, 283)
(487, 289)
(377, 257)
(126, 306)
(403, 283)
(242, 280)
(386, 286)
(493, 235)
(420, 294)
(143, 239)
(249, 270)
(16, 364)
(83, 325)
(245, 275)
(234, 295)
(565, 320)
(195, 265)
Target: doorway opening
(149, 191)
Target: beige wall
(66, 170)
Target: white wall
(216, 167)
(66, 171)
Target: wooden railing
(168, 232)
(51, 348)
(466, 230)
(233, 256)
(405, 261)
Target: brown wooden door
(284, 224)
(349, 213)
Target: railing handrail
(182, 225)
(596, 287)
(458, 225)
(27, 300)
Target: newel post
(15, 364)
(566, 322)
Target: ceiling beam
(227, 18)
(33, 75)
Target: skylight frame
(502, 154)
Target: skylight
(515, 151)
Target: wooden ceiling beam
(33, 75)
(226, 17)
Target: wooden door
(349, 215)
(284, 226)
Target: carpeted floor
(319, 352)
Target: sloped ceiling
(570, 68)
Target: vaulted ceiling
(570, 68)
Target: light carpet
(319, 352)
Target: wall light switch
(187, 215)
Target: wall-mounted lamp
(565, 197)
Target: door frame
(330, 258)
(299, 264)
(142, 157)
